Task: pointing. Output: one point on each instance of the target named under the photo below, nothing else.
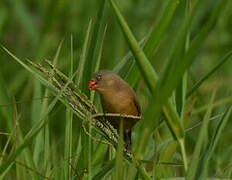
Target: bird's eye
(99, 77)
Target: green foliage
(168, 51)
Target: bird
(116, 96)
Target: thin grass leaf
(92, 51)
(97, 65)
(55, 59)
(180, 96)
(90, 149)
(99, 154)
(101, 148)
(182, 88)
(46, 133)
(161, 27)
(2, 177)
(26, 155)
(219, 129)
(68, 128)
(47, 148)
(104, 171)
(124, 67)
(146, 67)
(36, 108)
(83, 58)
(78, 150)
(200, 140)
(38, 76)
(6, 113)
(210, 73)
(203, 168)
(84, 161)
(119, 164)
(155, 37)
(3, 152)
(165, 156)
(224, 101)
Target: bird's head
(103, 80)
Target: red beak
(92, 85)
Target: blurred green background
(33, 29)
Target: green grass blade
(126, 64)
(83, 58)
(3, 151)
(68, 128)
(90, 150)
(6, 113)
(99, 154)
(47, 148)
(180, 96)
(119, 164)
(182, 88)
(84, 159)
(101, 149)
(36, 74)
(155, 36)
(36, 108)
(92, 51)
(160, 29)
(99, 57)
(221, 102)
(203, 170)
(210, 73)
(166, 155)
(219, 129)
(145, 66)
(108, 167)
(201, 139)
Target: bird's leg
(127, 139)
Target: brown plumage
(116, 97)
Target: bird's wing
(136, 103)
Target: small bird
(116, 97)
